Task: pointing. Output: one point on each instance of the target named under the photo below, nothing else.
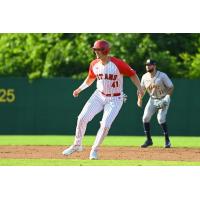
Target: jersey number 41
(115, 84)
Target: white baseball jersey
(106, 98)
(156, 86)
(110, 76)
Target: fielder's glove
(166, 100)
(163, 102)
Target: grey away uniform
(157, 87)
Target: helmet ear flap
(106, 51)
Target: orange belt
(111, 95)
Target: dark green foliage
(69, 54)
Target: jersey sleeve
(91, 73)
(167, 82)
(123, 67)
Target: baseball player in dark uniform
(160, 89)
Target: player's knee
(146, 119)
(105, 124)
(82, 120)
(161, 120)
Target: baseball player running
(160, 88)
(108, 97)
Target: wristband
(83, 86)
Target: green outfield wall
(46, 106)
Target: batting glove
(125, 98)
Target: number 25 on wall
(7, 95)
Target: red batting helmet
(102, 45)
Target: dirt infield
(105, 153)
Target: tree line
(36, 55)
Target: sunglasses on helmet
(98, 49)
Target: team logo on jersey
(153, 87)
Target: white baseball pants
(150, 109)
(97, 103)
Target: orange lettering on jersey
(152, 86)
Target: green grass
(88, 140)
(190, 142)
(61, 162)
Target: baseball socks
(165, 132)
(148, 142)
(147, 130)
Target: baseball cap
(150, 62)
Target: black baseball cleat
(147, 143)
(168, 144)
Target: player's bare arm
(140, 91)
(139, 99)
(87, 82)
(170, 90)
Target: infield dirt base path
(105, 153)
